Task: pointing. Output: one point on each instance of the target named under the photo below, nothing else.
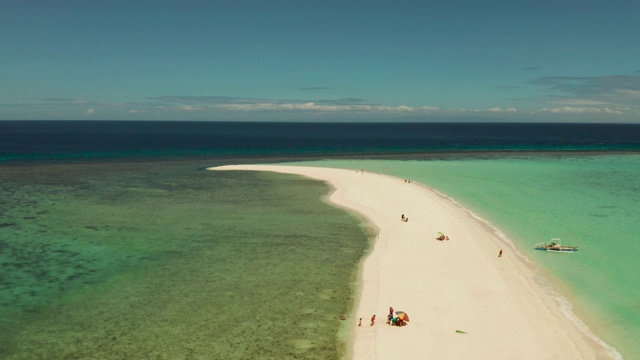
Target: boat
(555, 245)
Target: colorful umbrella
(402, 315)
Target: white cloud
(188, 108)
(613, 112)
(500, 110)
(619, 89)
(581, 110)
(90, 112)
(137, 111)
(311, 106)
(489, 110)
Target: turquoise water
(166, 260)
(588, 201)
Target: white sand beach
(444, 286)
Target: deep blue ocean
(50, 140)
(116, 243)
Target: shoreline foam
(445, 286)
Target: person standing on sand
(360, 322)
(500, 253)
(373, 320)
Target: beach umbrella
(402, 315)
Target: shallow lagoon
(171, 261)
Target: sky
(272, 60)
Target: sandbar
(464, 301)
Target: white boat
(555, 245)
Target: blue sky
(554, 61)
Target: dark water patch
(29, 268)
(62, 141)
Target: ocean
(115, 242)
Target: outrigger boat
(555, 245)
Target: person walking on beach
(500, 253)
(360, 322)
(373, 320)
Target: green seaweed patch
(30, 270)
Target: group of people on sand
(395, 321)
(391, 320)
(404, 218)
(442, 237)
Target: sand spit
(463, 300)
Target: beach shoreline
(497, 303)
